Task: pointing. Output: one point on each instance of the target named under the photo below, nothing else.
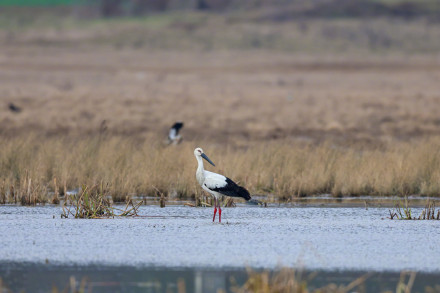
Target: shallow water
(314, 238)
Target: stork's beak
(206, 158)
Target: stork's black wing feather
(177, 126)
(232, 189)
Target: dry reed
(288, 280)
(92, 203)
(402, 211)
(75, 286)
(132, 167)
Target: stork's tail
(244, 193)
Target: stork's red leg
(215, 208)
(219, 213)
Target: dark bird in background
(14, 108)
(173, 135)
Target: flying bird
(216, 184)
(173, 135)
(14, 108)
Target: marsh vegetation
(93, 203)
(402, 211)
(31, 168)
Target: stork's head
(198, 152)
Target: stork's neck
(199, 173)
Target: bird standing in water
(216, 184)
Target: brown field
(223, 97)
(349, 122)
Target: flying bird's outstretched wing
(177, 126)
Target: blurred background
(236, 72)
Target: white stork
(216, 184)
(173, 135)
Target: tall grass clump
(35, 170)
(92, 203)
